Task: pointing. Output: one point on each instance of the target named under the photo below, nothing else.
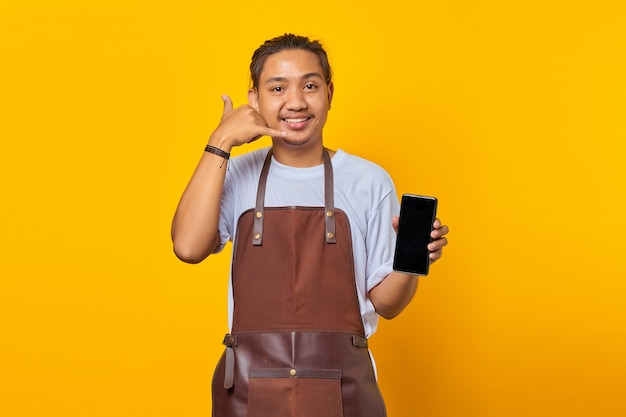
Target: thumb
(394, 222)
(228, 105)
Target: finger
(435, 255)
(228, 105)
(268, 132)
(273, 133)
(437, 224)
(437, 244)
(395, 220)
(440, 232)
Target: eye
(310, 86)
(277, 89)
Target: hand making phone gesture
(239, 126)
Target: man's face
(293, 96)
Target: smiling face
(293, 96)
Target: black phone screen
(417, 215)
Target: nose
(295, 99)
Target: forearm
(393, 294)
(195, 226)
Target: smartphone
(417, 215)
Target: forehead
(291, 63)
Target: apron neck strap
(329, 205)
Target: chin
(297, 142)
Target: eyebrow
(306, 76)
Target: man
(313, 241)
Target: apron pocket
(295, 393)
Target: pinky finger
(435, 255)
(275, 133)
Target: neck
(299, 157)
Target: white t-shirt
(362, 189)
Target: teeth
(296, 120)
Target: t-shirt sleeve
(381, 240)
(239, 192)
(225, 223)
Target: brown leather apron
(298, 347)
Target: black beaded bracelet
(217, 151)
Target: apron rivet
(330, 235)
(259, 214)
(257, 236)
(292, 372)
(329, 214)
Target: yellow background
(512, 113)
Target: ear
(253, 99)
(331, 91)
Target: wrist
(220, 143)
(217, 151)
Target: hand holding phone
(417, 215)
